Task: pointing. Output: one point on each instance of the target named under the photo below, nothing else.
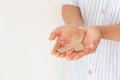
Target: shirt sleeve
(70, 2)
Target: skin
(109, 32)
(91, 38)
(71, 16)
(90, 43)
(63, 35)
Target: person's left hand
(91, 39)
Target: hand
(91, 39)
(63, 35)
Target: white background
(24, 46)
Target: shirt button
(90, 71)
(102, 11)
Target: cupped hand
(91, 40)
(63, 35)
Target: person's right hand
(63, 35)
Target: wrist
(100, 29)
(97, 29)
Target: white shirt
(104, 64)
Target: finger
(70, 52)
(79, 55)
(62, 55)
(91, 47)
(61, 42)
(54, 50)
(74, 54)
(95, 47)
(53, 34)
(57, 54)
(85, 42)
(70, 56)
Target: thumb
(92, 45)
(52, 36)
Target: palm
(63, 35)
(93, 36)
(91, 39)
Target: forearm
(111, 32)
(71, 15)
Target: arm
(93, 35)
(72, 18)
(72, 15)
(111, 32)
